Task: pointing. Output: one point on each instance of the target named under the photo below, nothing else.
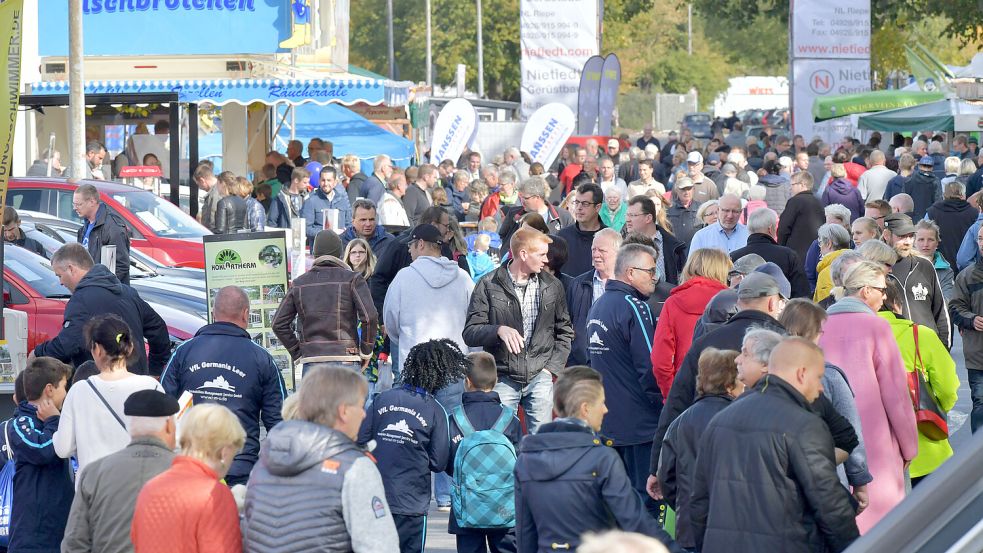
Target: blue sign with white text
(167, 27)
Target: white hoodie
(426, 301)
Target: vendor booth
(951, 114)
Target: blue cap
(775, 272)
(926, 160)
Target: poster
(829, 51)
(12, 14)
(257, 263)
(556, 38)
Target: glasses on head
(578, 203)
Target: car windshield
(697, 119)
(35, 271)
(164, 218)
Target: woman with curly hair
(409, 427)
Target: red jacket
(186, 508)
(853, 172)
(674, 332)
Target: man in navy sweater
(221, 364)
(620, 328)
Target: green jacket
(941, 371)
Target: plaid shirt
(528, 295)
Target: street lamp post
(481, 56)
(429, 50)
(76, 92)
(392, 52)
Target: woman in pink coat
(862, 344)
(704, 274)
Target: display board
(257, 263)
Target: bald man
(772, 451)
(223, 364)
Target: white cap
(613, 143)
(694, 157)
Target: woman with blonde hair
(864, 229)
(706, 215)
(360, 257)
(187, 507)
(862, 344)
(704, 274)
(926, 245)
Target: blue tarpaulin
(348, 131)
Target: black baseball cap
(427, 233)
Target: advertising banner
(454, 130)
(11, 31)
(546, 132)
(556, 38)
(831, 29)
(587, 98)
(167, 27)
(820, 79)
(257, 263)
(608, 95)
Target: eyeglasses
(879, 289)
(733, 211)
(650, 271)
(578, 203)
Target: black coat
(230, 215)
(678, 461)
(799, 223)
(559, 218)
(787, 260)
(580, 298)
(567, 464)
(494, 303)
(683, 220)
(415, 202)
(29, 244)
(729, 335)
(657, 299)
(109, 229)
(925, 190)
(355, 186)
(674, 255)
(100, 292)
(765, 479)
(578, 248)
(954, 217)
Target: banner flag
(12, 13)
(454, 130)
(546, 132)
(587, 100)
(608, 97)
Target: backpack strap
(504, 420)
(461, 418)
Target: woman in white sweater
(92, 423)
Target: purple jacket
(840, 191)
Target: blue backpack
(483, 494)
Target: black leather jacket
(230, 215)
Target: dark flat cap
(150, 403)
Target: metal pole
(481, 56)
(76, 92)
(429, 50)
(689, 29)
(392, 52)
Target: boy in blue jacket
(409, 427)
(43, 489)
(483, 407)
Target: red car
(29, 285)
(157, 227)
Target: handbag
(929, 416)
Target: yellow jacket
(824, 283)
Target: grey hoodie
(315, 490)
(426, 301)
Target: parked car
(158, 228)
(698, 124)
(29, 285)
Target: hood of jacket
(437, 272)
(840, 186)
(828, 259)
(695, 294)
(953, 205)
(721, 307)
(100, 277)
(772, 181)
(555, 449)
(295, 446)
(849, 305)
(480, 264)
(940, 263)
(330, 261)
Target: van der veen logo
(230, 259)
(118, 6)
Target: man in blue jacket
(620, 328)
(221, 364)
(327, 196)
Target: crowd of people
(561, 341)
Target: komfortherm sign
(556, 37)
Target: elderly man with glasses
(727, 234)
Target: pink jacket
(862, 344)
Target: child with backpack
(484, 436)
(43, 490)
(409, 427)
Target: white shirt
(392, 212)
(873, 182)
(87, 428)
